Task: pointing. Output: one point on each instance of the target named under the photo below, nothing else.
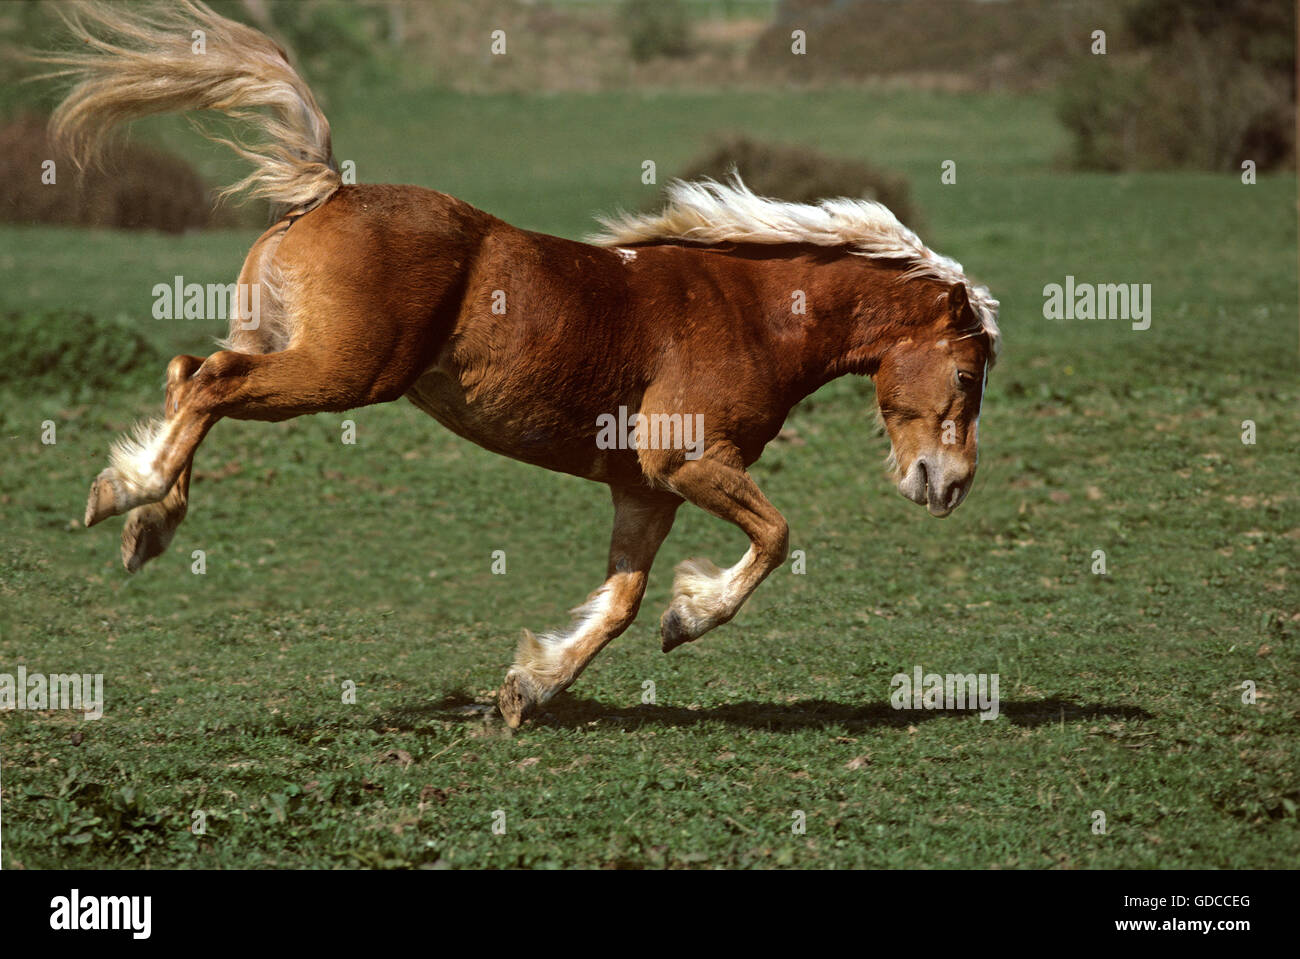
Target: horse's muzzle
(931, 487)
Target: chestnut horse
(719, 313)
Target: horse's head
(929, 386)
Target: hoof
(516, 700)
(107, 497)
(673, 631)
(147, 533)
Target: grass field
(371, 563)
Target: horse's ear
(958, 300)
(959, 305)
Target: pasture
(372, 562)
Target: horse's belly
(507, 429)
(443, 398)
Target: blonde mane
(706, 211)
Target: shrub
(655, 28)
(138, 187)
(1012, 44)
(1100, 104)
(1193, 84)
(801, 175)
(76, 355)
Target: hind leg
(135, 478)
(140, 478)
(149, 529)
(152, 469)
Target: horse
(658, 358)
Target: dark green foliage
(337, 46)
(77, 355)
(97, 818)
(655, 28)
(1203, 85)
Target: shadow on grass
(571, 712)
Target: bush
(1011, 44)
(655, 28)
(1186, 85)
(801, 175)
(138, 187)
(75, 355)
(338, 46)
(1183, 107)
(1100, 104)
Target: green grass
(371, 563)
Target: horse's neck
(853, 334)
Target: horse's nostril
(955, 493)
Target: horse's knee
(224, 364)
(179, 373)
(775, 542)
(182, 367)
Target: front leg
(547, 664)
(703, 595)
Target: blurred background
(588, 88)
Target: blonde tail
(132, 61)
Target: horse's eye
(965, 379)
